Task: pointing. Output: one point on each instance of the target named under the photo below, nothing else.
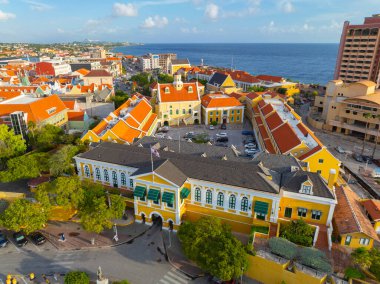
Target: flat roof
(22, 100)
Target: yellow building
(176, 64)
(222, 109)
(187, 187)
(346, 108)
(178, 102)
(281, 130)
(133, 119)
(352, 228)
(221, 82)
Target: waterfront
(308, 63)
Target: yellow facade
(188, 112)
(270, 272)
(356, 240)
(176, 67)
(223, 115)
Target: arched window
(114, 178)
(123, 179)
(167, 90)
(197, 195)
(244, 204)
(220, 199)
(97, 174)
(232, 202)
(106, 177)
(87, 171)
(208, 197)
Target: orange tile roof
(311, 152)
(6, 95)
(75, 115)
(83, 71)
(270, 78)
(125, 132)
(372, 206)
(180, 95)
(149, 122)
(274, 120)
(69, 104)
(349, 216)
(235, 95)
(141, 110)
(132, 122)
(100, 127)
(98, 73)
(219, 100)
(285, 137)
(255, 110)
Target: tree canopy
(60, 162)
(213, 247)
(46, 137)
(77, 277)
(11, 145)
(24, 215)
(256, 89)
(298, 232)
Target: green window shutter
(139, 191)
(185, 192)
(261, 207)
(154, 194)
(168, 197)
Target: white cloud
(155, 22)
(6, 16)
(4, 2)
(38, 6)
(193, 30)
(212, 11)
(60, 31)
(180, 20)
(286, 6)
(125, 10)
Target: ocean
(307, 63)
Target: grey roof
(102, 95)
(180, 61)
(177, 167)
(217, 79)
(278, 163)
(292, 182)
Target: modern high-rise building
(359, 52)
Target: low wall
(314, 123)
(272, 272)
(11, 196)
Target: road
(139, 262)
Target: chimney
(331, 180)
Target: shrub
(361, 257)
(121, 282)
(314, 258)
(214, 123)
(283, 247)
(354, 273)
(77, 277)
(298, 232)
(375, 270)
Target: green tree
(47, 137)
(142, 79)
(282, 91)
(213, 247)
(367, 116)
(121, 282)
(11, 145)
(61, 161)
(165, 78)
(117, 206)
(119, 100)
(256, 89)
(77, 277)
(24, 215)
(298, 232)
(361, 257)
(96, 216)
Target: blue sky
(180, 21)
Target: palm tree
(367, 116)
(377, 135)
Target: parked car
(358, 157)
(20, 239)
(223, 126)
(340, 150)
(37, 238)
(3, 240)
(246, 132)
(247, 141)
(222, 139)
(377, 162)
(250, 145)
(164, 129)
(221, 144)
(222, 134)
(160, 135)
(212, 127)
(367, 159)
(250, 152)
(190, 134)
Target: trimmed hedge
(283, 247)
(353, 273)
(315, 259)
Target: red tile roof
(263, 132)
(302, 128)
(267, 109)
(98, 73)
(259, 121)
(273, 121)
(270, 78)
(372, 206)
(269, 146)
(252, 96)
(349, 216)
(311, 152)
(75, 115)
(285, 137)
(69, 104)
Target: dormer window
(167, 91)
(51, 110)
(307, 188)
(190, 90)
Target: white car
(160, 135)
(250, 145)
(250, 152)
(340, 150)
(222, 134)
(212, 127)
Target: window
(238, 118)
(232, 202)
(220, 199)
(288, 212)
(183, 111)
(210, 112)
(348, 240)
(244, 204)
(238, 111)
(167, 90)
(189, 110)
(217, 113)
(224, 112)
(170, 205)
(208, 197)
(171, 112)
(210, 120)
(302, 212)
(87, 171)
(190, 89)
(320, 161)
(319, 171)
(177, 111)
(97, 174)
(131, 183)
(306, 189)
(197, 194)
(106, 177)
(232, 119)
(123, 179)
(51, 110)
(316, 215)
(114, 178)
(260, 216)
(232, 111)
(364, 241)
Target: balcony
(353, 127)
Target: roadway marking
(22, 278)
(177, 277)
(19, 250)
(165, 282)
(35, 246)
(170, 279)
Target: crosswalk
(174, 277)
(61, 262)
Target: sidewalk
(177, 258)
(77, 238)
